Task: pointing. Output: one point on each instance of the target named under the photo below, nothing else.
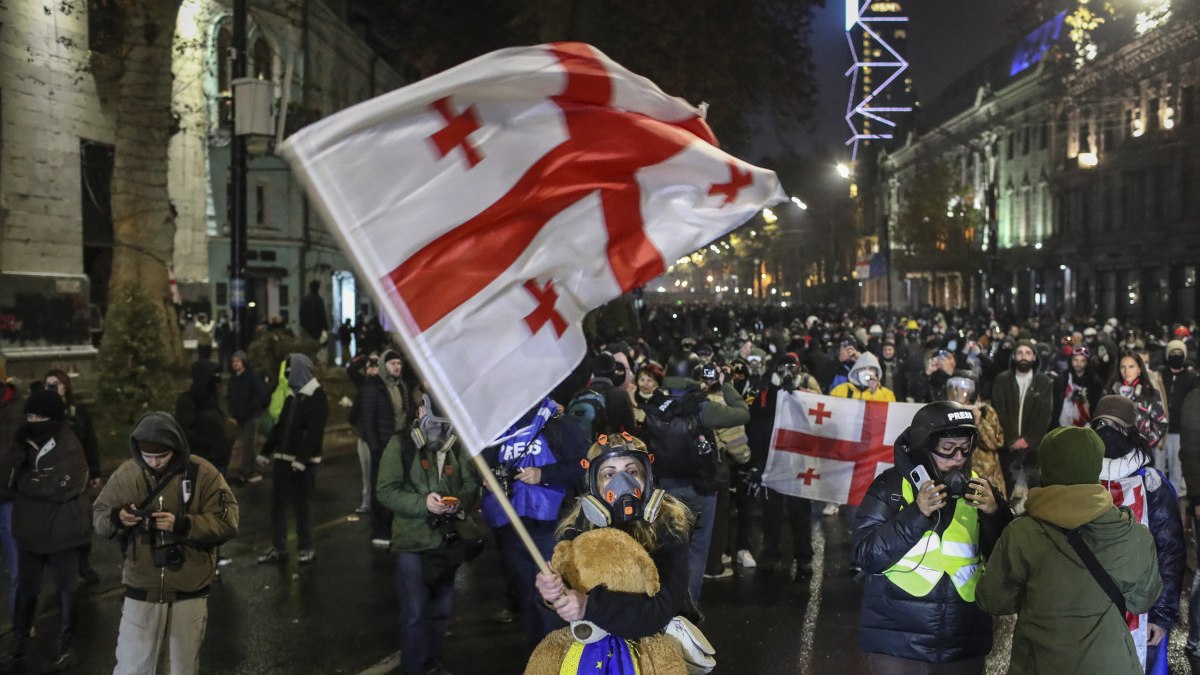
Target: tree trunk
(140, 90)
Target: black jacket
(940, 627)
(1177, 386)
(49, 512)
(200, 417)
(312, 315)
(300, 432)
(636, 615)
(81, 424)
(247, 395)
(375, 414)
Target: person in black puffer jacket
(198, 412)
(919, 610)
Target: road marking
(813, 609)
(390, 663)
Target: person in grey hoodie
(295, 446)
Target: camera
(505, 476)
(703, 445)
(168, 555)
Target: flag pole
(490, 478)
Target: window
(1008, 153)
(1026, 133)
(224, 111)
(264, 59)
(1154, 115)
(1044, 136)
(1187, 104)
(1084, 132)
(260, 205)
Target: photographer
(171, 510)
(864, 382)
(426, 480)
(921, 534)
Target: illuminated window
(264, 59)
(900, 34)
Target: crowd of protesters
(695, 385)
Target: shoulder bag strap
(1093, 565)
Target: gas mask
(956, 480)
(431, 429)
(623, 500)
(786, 377)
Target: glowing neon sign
(1036, 44)
(858, 112)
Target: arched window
(264, 60)
(224, 67)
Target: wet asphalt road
(340, 614)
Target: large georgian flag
(830, 449)
(490, 207)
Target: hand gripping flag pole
(490, 207)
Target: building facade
(1080, 171)
(56, 164)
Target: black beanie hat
(46, 403)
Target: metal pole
(237, 189)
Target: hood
(300, 371)
(206, 377)
(677, 385)
(865, 360)
(1069, 506)
(158, 427)
(1037, 357)
(903, 461)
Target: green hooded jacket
(1066, 623)
(406, 499)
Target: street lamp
(844, 170)
(798, 202)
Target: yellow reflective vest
(954, 553)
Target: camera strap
(189, 482)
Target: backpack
(586, 409)
(680, 444)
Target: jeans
(8, 547)
(522, 572)
(364, 462)
(295, 487)
(1166, 460)
(247, 437)
(704, 508)
(424, 616)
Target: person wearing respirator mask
(621, 494)
(1177, 382)
(921, 549)
(864, 382)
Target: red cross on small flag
(830, 449)
(491, 206)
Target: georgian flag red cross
(831, 449)
(490, 207)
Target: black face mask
(40, 432)
(1024, 366)
(956, 483)
(1175, 361)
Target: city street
(340, 614)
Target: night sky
(945, 38)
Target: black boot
(64, 655)
(18, 639)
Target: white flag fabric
(490, 207)
(830, 449)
